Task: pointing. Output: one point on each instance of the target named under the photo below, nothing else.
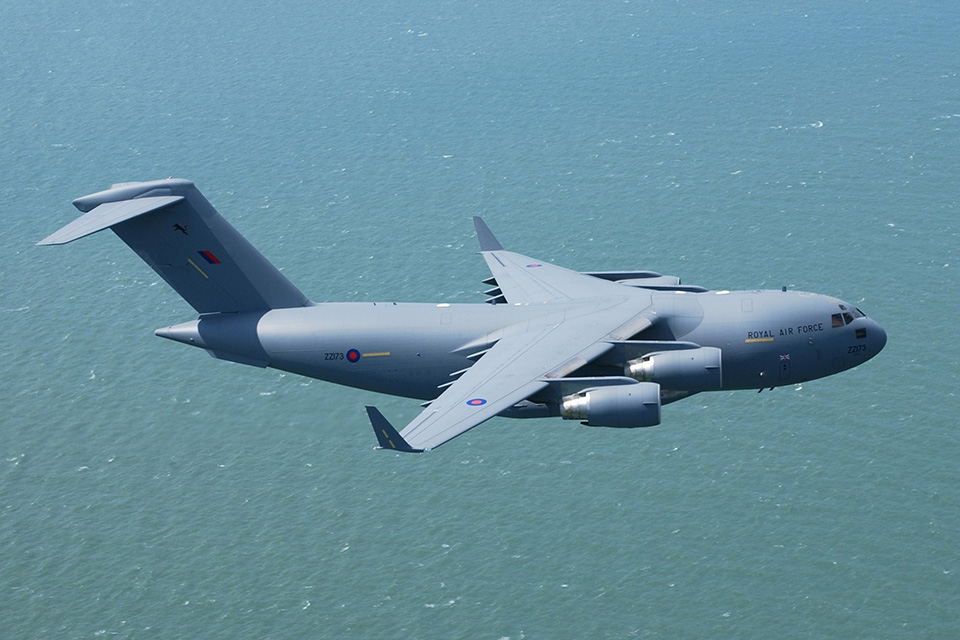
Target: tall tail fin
(176, 231)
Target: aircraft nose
(878, 335)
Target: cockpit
(846, 316)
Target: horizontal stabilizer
(387, 436)
(106, 215)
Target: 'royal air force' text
(800, 329)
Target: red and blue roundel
(353, 355)
(534, 265)
(477, 402)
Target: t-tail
(176, 231)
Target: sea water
(147, 490)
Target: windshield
(846, 316)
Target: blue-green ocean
(150, 491)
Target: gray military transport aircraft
(608, 348)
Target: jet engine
(623, 406)
(684, 370)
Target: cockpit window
(845, 316)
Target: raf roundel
(477, 402)
(353, 355)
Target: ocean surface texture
(150, 491)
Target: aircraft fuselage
(766, 338)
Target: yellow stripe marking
(759, 340)
(374, 355)
(384, 432)
(198, 268)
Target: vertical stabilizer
(176, 231)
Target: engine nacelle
(684, 370)
(623, 406)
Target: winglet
(487, 240)
(387, 436)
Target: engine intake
(623, 406)
(684, 370)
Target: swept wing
(593, 314)
(524, 279)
